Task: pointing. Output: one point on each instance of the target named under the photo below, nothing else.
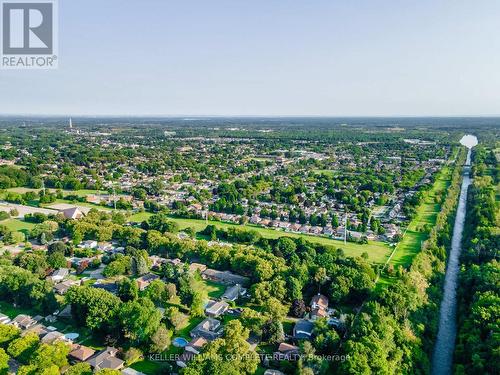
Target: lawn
(77, 204)
(214, 290)
(426, 213)
(140, 216)
(11, 311)
(18, 225)
(378, 252)
(149, 367)
(80, 193)
(326, 172)
(184, 332)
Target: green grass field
(378, 252)
(427, 213)
(214, 290)
(18, 225)
(80, 193)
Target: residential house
(319, 306)
(193, 267)
(89, 244)
(156, 261)
(109, 287)
(59, 275)
(224, 277)
(106, 358)
(233, 292)
(4, 319)
(39, 329)
(131, 371)
(144, 281)
(191, 350)
(303, 329)
(286, 352)
(210, 329)
(80, 353)
(273, 372)
(195, 345)
(184, 358)
(52, 337)
(23, 321)
(62, 287)
(72, 213)
(105, 246)
(216, 309)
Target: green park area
(17, 225)
(378, 252)
(427, 212)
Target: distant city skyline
(267, 59)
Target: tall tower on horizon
(70, 123)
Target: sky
(267, 58)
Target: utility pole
(43, 187)
(114, 197)
(345, 227)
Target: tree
(132, 355)
(23, 347)
(294, 288)
(81, 368)
(253, 320)
(285, 247)
(8, 333)
(162, 223)
(230, 355)
(57, 260)
(298, 308)
(92, 307)
(198, 304)
(272, 332)
(158, 293)
(57, 247)
(107, 371)
(139, 319)
(48, 355)
(128, 290)
(274, 309)
(176, 318)
(139, 265)
(11, 237)
(161, 339)
(120, 266)
(326, 339)
(33, 262)
(4, 362)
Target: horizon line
(188, 116)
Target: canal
(442, 361)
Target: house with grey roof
(210, 329)
(23, 321)
(224, 277)
(303, 329)
(216, 308)
(106, 358)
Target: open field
(426, 214)
(80, 193)
(17, 225)
(378, 252)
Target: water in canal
(442, 360)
